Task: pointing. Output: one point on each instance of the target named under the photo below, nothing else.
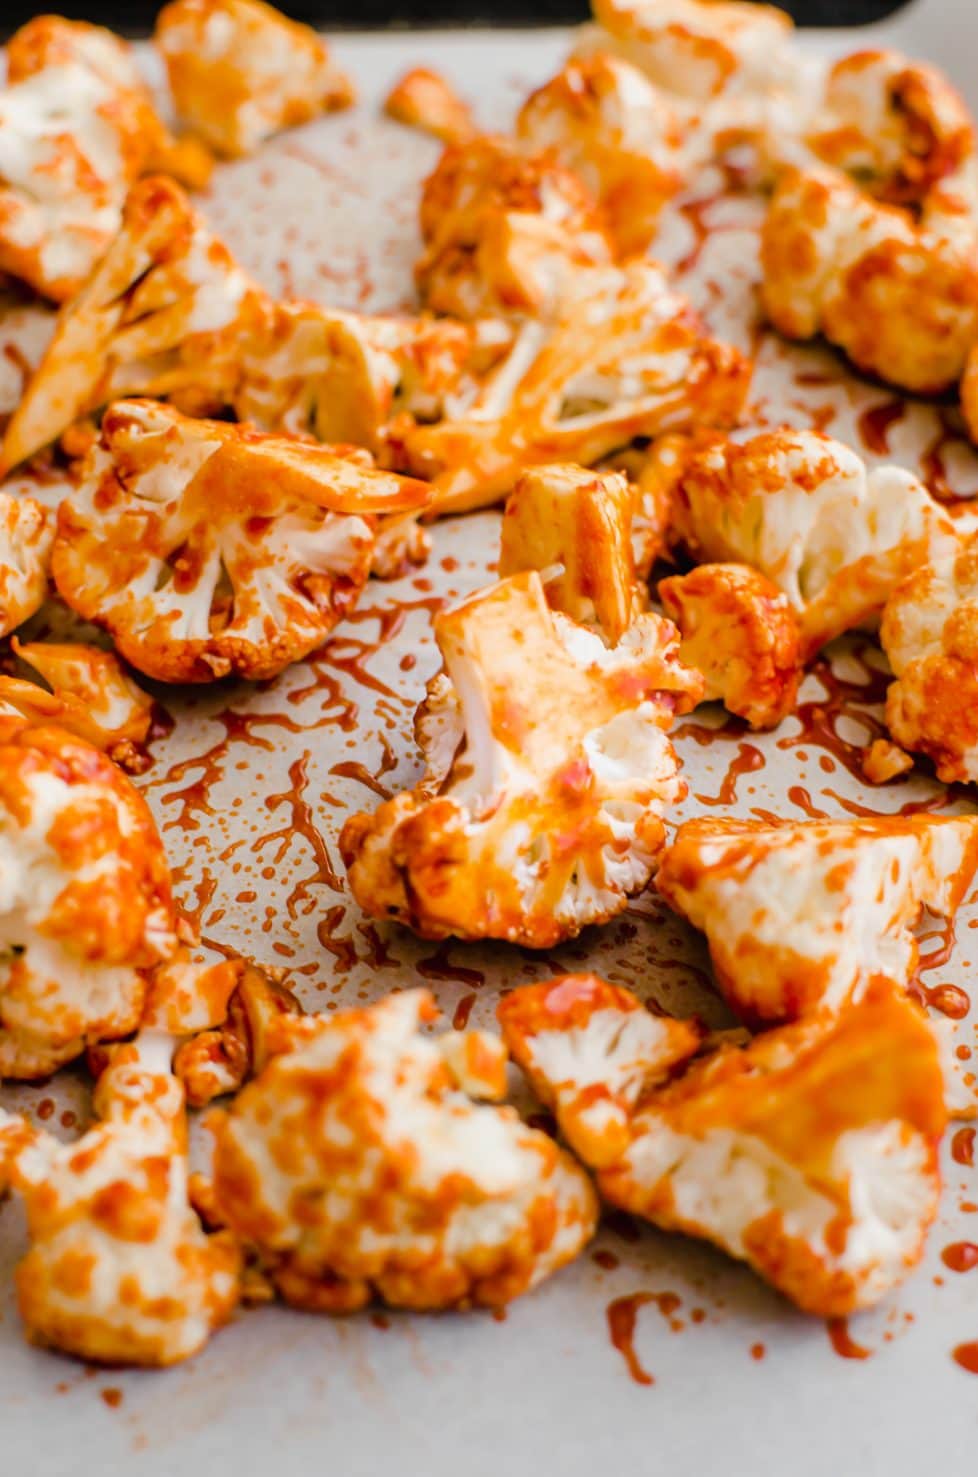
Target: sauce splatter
(963, 1146)
(747, 760)
(112, 1397)
(960, 1256)
(622, 1315)
(463, 1010)
(967, 1356)
(757, 1351)
(874, 425)
(841, 1341)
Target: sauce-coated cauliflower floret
(806, 512)
(206, 548)
(811, 1154)
(85, 904)
(241, 71)
(898, 295)
(423, 99)
(26, 540)
(356, 377)
(120, 1270)
(896, 126)
(355, 1166)
(624, 356)
(740, 631)
(574, 527)
(549, 813)
(502, 231)
(223, 1055)
(603, 119)
(930, 635)
(161, 315)
(801, 916)
(87, 694)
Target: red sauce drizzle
(963, 1146)
(874, 425)
(800, 797)
(462, 1012)
(844, 1346)
(622, 1315)
(352, 769)
(960, 1256)
(438, 966)
(301, 823)
(747, 761)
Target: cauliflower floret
(353, 377)
(356, 1168)
(26, 540)
(899, 296)
(423, 99)
(811, 1154)
(236, 1043)
(930, 635)
(88, 694)
(161, 315)
(206, 548)
(624, 356)
(603, 119)
(119, 1269)
(898, 127)
(241, 71)
(85, 903)
(503, 230)
(739, 630)
(801, 916)
(591, 1051)
(574, 527)
(550, 815)
(806, 512)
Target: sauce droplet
(963, 1146)
(842, 1343)
(621, 1315)
(967, 1356)
(960, 1256)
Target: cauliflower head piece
(802, 916)
(119, 1269)
(741, 632)
(423, 99)
(206, 548)
(26, 540)
(811, 1153)
(356, 1165)
(85, 904)
(160, 315)
(929, 632)
(549, 771)
(574, 526)
(806, 512)
(624, 356)
(241, 71)
(603, 119)
(87, 693)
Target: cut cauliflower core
(207, 548)
(622, 356)
(160, 315)
(548, 776)
(26, 540)
(811, 1153)
(241, 71)
(120, 1270)
(803, 915)
(740, 631)
(805, 511)
(930, 634)
(574, 527)
(356, 1167)
(85, 904)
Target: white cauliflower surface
(357, 1165)
(206, 548)
(811, 1153)
(803, 916)
(549, 815)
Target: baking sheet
(251, 788)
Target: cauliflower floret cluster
(802, 916)
(356, 1165)
(930, 635)
(804, 510)
(548, 815)
(88, 694)
(622, 356)
(206, 548)
(423, 99)
(604, 120)
(241, 71)
(119, 1269)
(502, 230)
(85, 905)
(26, 540)
(741, 632)
(811, 1153)
(161, 315)
(573, 526)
